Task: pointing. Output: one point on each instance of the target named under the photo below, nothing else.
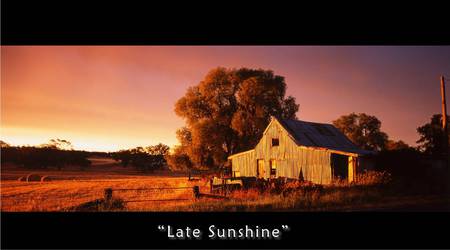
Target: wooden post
(351, 169)
(211, 184)
(445, 156)
(196, 191)
(108, 195)
(444, 118)
(444, 105)
(223, 186)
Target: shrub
(369, 178)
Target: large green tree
(363, 130)
(432, 136)
(228, 111)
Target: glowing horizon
(107, 98)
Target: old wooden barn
(302, 150)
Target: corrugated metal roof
(312, 134)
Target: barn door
(339, 164)
(260, 169)
(273, 168)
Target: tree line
(143, 158)
(365, 131)
(59, 153)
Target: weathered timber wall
(291, 159)
(243, 164)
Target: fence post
(196, 191)
(223, 186)
(108, 195)
(211, 184)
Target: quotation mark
(285, 227)
(161, 228)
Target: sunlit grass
(60, 195)
(369, 191)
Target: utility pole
(444, 105)
(444, 121)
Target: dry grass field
(71, 188)
(61, 195)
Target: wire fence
(108, 194)
(109, 197)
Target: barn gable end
(281, 152)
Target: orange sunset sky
(117, 97)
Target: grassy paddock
(373, 191)
(65, 194)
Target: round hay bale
(47, 178)
(33, 177)
(22, 178)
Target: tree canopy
(363, 130)
(397, 145)
(59, 144)
(227, 112)
(44, 157)
(143, 158)
(431, 139)
(4, 144)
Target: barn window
(275, 142)
(273, 168)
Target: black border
(230, 23)
(135, 22)
(131, 230)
